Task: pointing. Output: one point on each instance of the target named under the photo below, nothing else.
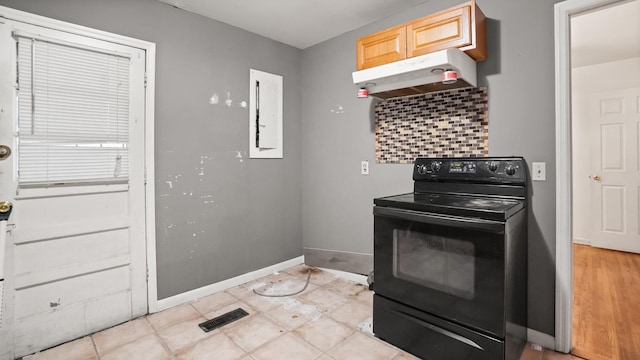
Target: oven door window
(453, 267)
(438, 262)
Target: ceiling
(299, 23)
(609, 34)
(606, 35)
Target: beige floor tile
(287, 346)
(172, 316)
(345, 287)
(293, 313)
(212, 302)
(353, 313)
(288, 287)
(217, 347)
(245, 289)
(324, 299)
(262, 303)
(146, 348)
(318, 276)
(81, 349)
(184, 334)
(276, 278)
(299, 270)
(366, 297)
(404, 356)
(251, 334)
(323, 333)
(360, 346)
(325, 357)
(530, 354)
(109, 339)
(366, 326)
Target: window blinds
(73, 114)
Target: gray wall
(241, 214)
(260, 213)
(519, 73)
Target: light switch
(364, 167)
(539, 171)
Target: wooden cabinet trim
(383, 47)
(440, 31)
(462, 26)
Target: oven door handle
(437, 219)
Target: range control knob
(422, 169)
(435, 166)
(493, 166)
(510, 170)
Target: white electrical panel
(265, 115)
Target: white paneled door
(73, 111)
(615, 178)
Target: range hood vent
(418, 75)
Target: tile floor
(331, 319)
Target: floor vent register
(223, 320)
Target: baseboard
(581, 241)
(339, 260)
(226, 284)
(542, 339)
(360, 279)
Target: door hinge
(145, 80)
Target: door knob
(5, 206)
(5, 151)
(596, 177)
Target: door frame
(150, 60)
(564, 251)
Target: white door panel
(613, 209)
(615, 179)
(78, 319)
(78, 251)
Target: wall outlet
(364, 167)
(539, 171)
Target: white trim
(539, 338)
(46, 22)
(150, 195)
(564, 260)
(150, 58)
(360, 279)
(581, 241)
(227, 284)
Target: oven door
(451, 267)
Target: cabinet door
(381, 48)
(446, 29)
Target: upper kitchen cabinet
(383, 47)
(462, 26)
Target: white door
(615, 178)
(76, 245)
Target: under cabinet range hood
(418, 75)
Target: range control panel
(498, 170)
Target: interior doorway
(604, 127)
(583, 76)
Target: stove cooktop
(484, 207)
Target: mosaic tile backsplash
(450, 123)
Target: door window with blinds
(73, 114)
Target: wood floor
(606, 304)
